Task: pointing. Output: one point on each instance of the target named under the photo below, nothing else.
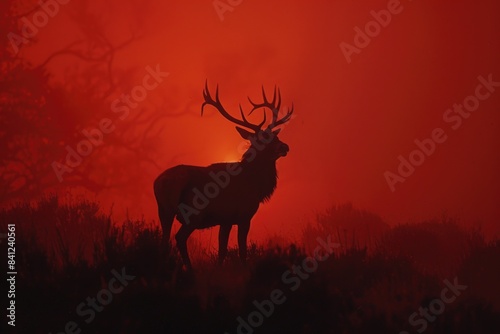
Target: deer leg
(223, 239)
(166, 220)
(181, 237)
(242, 240)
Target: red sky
(353, 119)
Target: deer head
(265, 143)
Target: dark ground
(66, 253)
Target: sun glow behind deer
(231, 157)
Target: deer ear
(275, 132)
(244, 133)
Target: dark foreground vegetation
(78, 271)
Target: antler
(274, 106)
(218, 105)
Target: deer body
(223, 194)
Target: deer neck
(262, 176)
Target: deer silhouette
(224, 194)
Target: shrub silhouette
(351, 227)
(437, 247)
(356, 290)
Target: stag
(224, 194)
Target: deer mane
(262, 177)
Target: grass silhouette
(66, 252)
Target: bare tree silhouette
(224, 194)
(42, 111)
